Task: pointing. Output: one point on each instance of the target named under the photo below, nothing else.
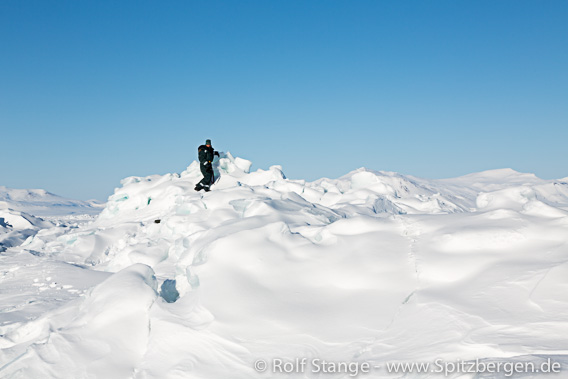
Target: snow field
(371, 267)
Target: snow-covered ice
(372, 267)
(41, 203)
(24, 212)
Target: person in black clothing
(206, 154)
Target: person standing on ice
(205, 155)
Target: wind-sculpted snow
(16, 227)
(25, 212)
(371, 267)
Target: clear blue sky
(94, 91)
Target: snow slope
(371, 267)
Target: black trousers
(208, 176)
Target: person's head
(208, 142)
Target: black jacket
(205, 154)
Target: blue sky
(94, 91)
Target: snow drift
(16, 227)
(371, 267)
(24, 212)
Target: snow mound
(24, 212)
(116, 313)
(371, 267)
(16, 227)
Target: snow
(41, 203)
(371, 267)
(16, 226)
(25, 212)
